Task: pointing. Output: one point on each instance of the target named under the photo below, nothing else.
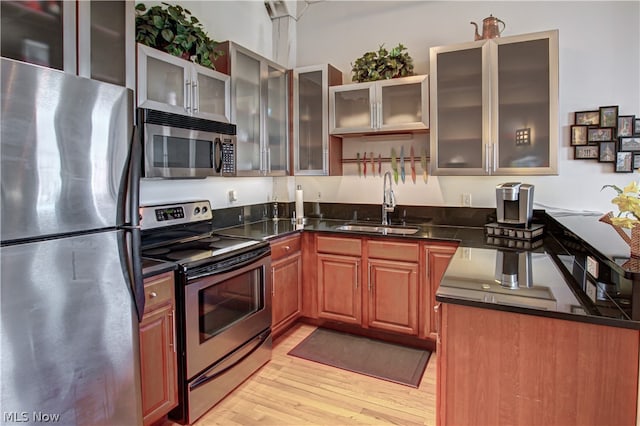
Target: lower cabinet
(286, 270)
(497, 367)
(374, 283)
(158, 363)
(436, 259)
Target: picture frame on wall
(609, 116)
(624, 162)
(586, 152)
(607, 152)
(587, 118)
(599, 134)
(636, 126)
(631, 143)
(626, 125)
(579, 134)
(636, 161)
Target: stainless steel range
(223, 299)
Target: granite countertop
(152, 267)
(556, 286)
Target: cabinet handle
(373, 115)
(356, 273)
(436, 310)
(268, 160)
(494, 151)
(173, 330)
(487, 159)
(273, 281)
(369, 278)
(187, 95)
(287, 248)
(325, 165)
(195, 99)
(152, 295)
(379, 111)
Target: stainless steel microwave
(178, 146)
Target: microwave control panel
(228, 157)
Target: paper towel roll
(299, 203)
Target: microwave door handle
(217, 152)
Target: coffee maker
(514, 204)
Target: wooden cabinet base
(497, 368)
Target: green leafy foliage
(174, 30)
(383, 64)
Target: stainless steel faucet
(388, 199)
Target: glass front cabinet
(315, 152)
(259, 108)
(91, 39)
(385, 106)
(172, 84)
(494, 106)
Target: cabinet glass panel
(401, 104)
(211, 95)
(108, 41)
(32, 32)
(276, 116)
(523, 104)
(459, 114)
(310, 123)
(247, 111)
(165, 82)
(353, 108)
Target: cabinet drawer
(339, 245)
(285, 247)
(158, 290)
(394, 250)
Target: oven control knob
(196, 210)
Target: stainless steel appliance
(72, 290)
(178, 146)
(514, 204)
(223, 301)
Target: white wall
(248, 24)
(599, 65)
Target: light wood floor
(293, 391)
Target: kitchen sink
(379, 229)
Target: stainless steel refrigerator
(71, 281)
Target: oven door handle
(223, 366)
(205, 271)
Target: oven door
(173, 152)
(225, 310)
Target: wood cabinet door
(437, 260)
(286, 290)
(158, 363)
(393, 296)
(339, 294)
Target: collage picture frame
(604, 135)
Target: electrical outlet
(466, 199)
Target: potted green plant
(174, 30)
(383, 64)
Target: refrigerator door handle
(136, 268)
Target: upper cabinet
(260, 110)
(315, 152)
(494, 106)
(384, 106)
(93, 39)
(172, 84)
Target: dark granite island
(547, 336)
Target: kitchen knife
(394, 165)
(423, 163)
(359, 165)
(373, 165)
(413, 165)
(364, 163)
(402, 173)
